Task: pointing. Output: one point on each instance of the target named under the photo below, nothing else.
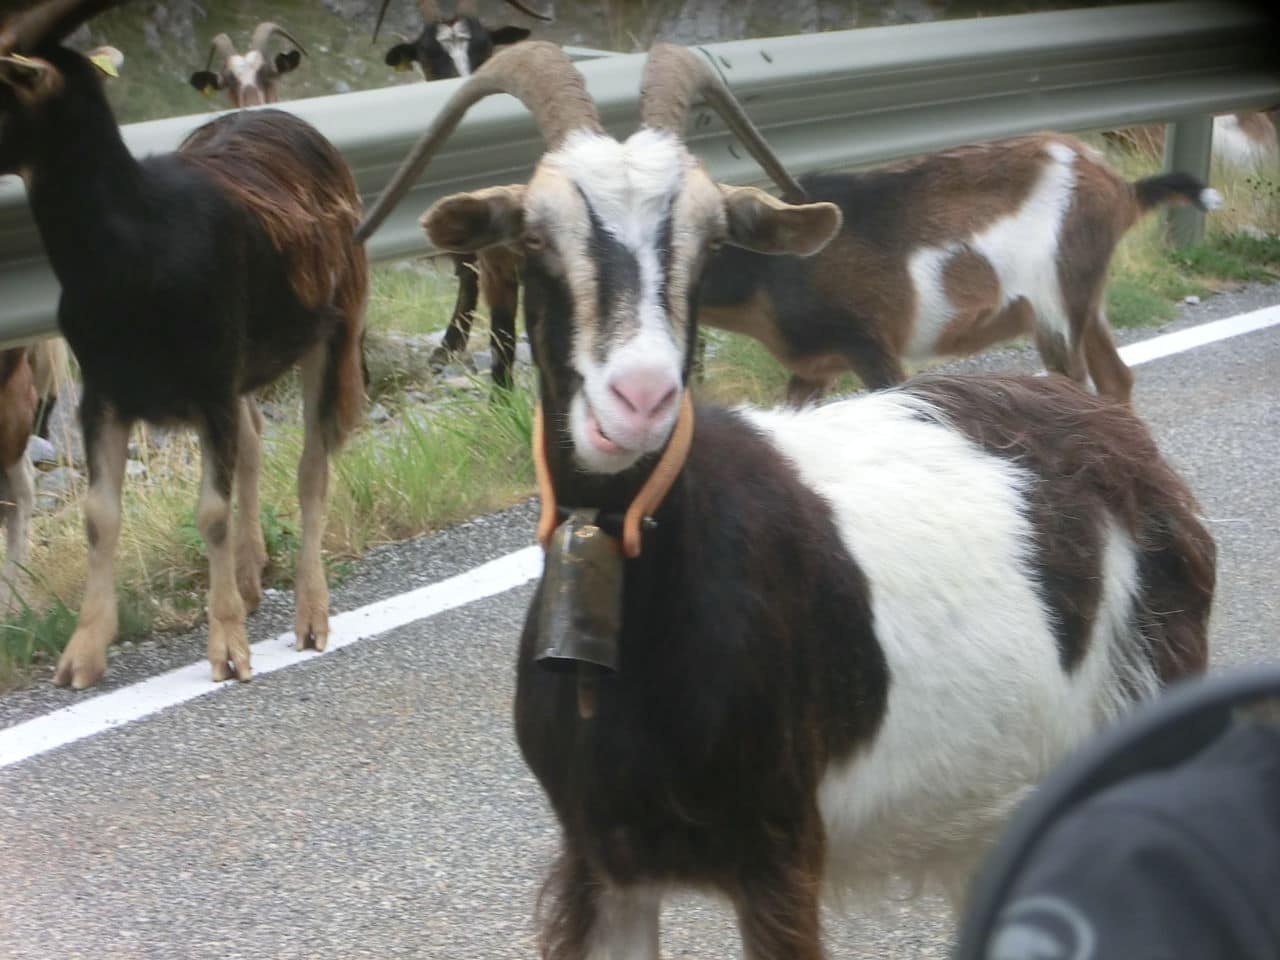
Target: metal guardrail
(827, 100)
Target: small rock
(1193, 300)
(341, 86)
(1252, 230)
(42, 453)
(523, 353)
(483, 359)
(379, 414)
(135, 469)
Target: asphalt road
(372, 803)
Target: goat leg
(106, 442)
(228, 645)
(455, 337)
(311, 592)
(19, 483)
(251, 550)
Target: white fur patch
(1210, 198)
(1234, 145)
(626, 926)
(1022, 249)
(979, 707)
(245, 69)
(455, 38)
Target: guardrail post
(1188, 147)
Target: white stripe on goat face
(245, 70)
(455, 38)
(627, 219)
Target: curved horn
(49, 22)
(673, 76)
(530, 13)
(223, 47)
(263, 33)
(540, 74)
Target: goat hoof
(312, 638)
(228, 652)
(78, 667)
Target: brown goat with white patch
(17, 484)
(28, 389)
(249, 78)
(945, 255)
(1242, 139)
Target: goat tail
(1152, 192)
(344, 375)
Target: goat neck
(75, 157)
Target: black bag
(1158, 841)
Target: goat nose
(644, 394)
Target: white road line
(92, 716)
(1144, 351)
(148, 696)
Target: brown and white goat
(457, 46)
(250, 78)
(29, 380)
(189, 280)
(945, 255)
(1246, 139)
(851, 638)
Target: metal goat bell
(580, 616)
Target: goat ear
(108, 60)
(507, 35)
(401, 56)
(31, 78)
(288, 61)
(206, 81)
(762, 222)
(467, 222)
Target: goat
(18, 401)
(849, 639)
(249, 79)
(189, 280)
(456, 47)
(1244, 139)
(948, 254)
(453, 46)
(28, 391)
(943, 255)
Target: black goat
(451, 47)
(188, 281)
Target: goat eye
(533, 241)
(716, 244)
